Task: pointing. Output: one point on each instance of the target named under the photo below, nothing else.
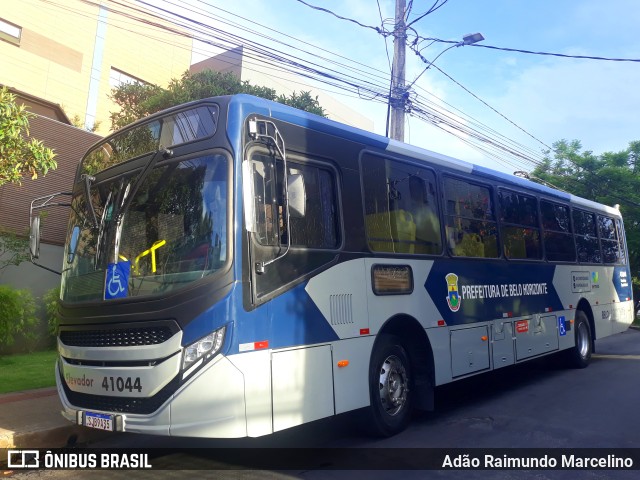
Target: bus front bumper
(211, 404)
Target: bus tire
(580, 355)
(390, 384)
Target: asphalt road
(534, 405)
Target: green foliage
(19, 154)
(13, 249)
(17, 316)
(27, 371)
(136, 101)
(610, 178)
(77, 122)
(304, 101)
(51, 299)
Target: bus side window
(622, 258)
(471, 225)
(586, 236)
(608, 239)
(520, 229)
(557, 237)
(401, 208)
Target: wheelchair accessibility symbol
(116, 284)
(562, 326)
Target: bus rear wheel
(389, 388)
(580, 355)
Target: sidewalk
(32, 419)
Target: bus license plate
(100, 421)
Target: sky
(547, 98)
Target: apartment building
(73, 52)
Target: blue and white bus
(234, 267)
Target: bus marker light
(548, 309)
(249, 347)
(364, 331)
(507, 315)
(343, 363)
(442, 323)
(484, 338)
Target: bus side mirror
(248, 197)
(73, 244)
(34, 237)
(297, 196)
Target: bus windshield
(172, 231)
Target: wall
(65, 44)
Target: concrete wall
(34, 278)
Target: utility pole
(398, 98)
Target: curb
(38, 431)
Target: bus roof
(247, 104)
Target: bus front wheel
(389, 387)
(580, 355)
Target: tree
(610, 178)
(19, 154)
(13, 249)
(137, 100)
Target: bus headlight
(202, 349)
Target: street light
(468, 39)
(399, 93)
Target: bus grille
(126, 337)
(141, 406)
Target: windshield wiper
(88, 179)
(163, 153)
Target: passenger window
(520, 230)
(586, 235)
(318, 228)
(622, 258)
(608, 240)
(558, 240)
(401, 209)
(471, 225)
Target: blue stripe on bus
(622, 282)
(288, 320)
(296, 320)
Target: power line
(377, 29)
(433, 8)
(277, 60)
(489, 106)
(562, 55)
(530, 52)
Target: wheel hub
(393, 385)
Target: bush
(18, 318)
(50, 300)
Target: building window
(9, 32)
(118, 77)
